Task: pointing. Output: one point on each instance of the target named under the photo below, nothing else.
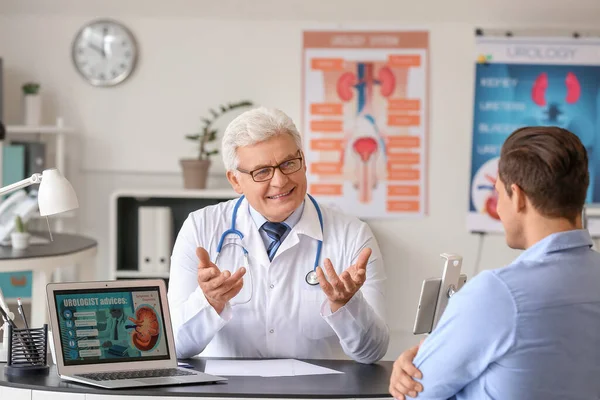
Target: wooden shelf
(37, 129)
(138, 274)
(177, 193)
(24, 300)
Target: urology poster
(524, 81)
(365, 120)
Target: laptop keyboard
(150, 373)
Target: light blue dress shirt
(529, 331)
(290, 221)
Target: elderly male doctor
(268, 308)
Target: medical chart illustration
(530, 82)
(365, 120)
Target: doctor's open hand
(218, 287)
(340, 289)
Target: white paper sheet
(265, 368)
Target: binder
(164, 238)
(13, 163)
(35, 156)
(155, 239)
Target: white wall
(196, 54)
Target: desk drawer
(16, 284)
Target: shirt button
(272, 331)
(271, 286)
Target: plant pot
(195, 173)
(32, 109)
(20, 240)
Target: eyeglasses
(264, 174)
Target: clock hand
(98, 49)
(104, 43)
(106, 47)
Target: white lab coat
(285, 317)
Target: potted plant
(32, 104)
(195, 170)
(20, 237)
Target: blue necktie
(275, 230)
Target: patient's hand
(401, 382)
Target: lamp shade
(56, 195)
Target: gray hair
(252, 127)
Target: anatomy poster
(523, 82)
(365, 120)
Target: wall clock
(104, 52)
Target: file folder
(155, 239)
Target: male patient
(530, 330)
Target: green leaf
(245, 103)
(19, 226)
(31, 88)
(207, 134)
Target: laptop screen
(111, 325)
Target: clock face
(104, 53)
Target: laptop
(116, 334)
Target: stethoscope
(311, 276)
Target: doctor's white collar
(307, 225)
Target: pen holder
(27, 349)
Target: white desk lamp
(55, 195)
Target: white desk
(42, 260)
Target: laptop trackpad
(158, 381)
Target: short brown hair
(550, 165)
